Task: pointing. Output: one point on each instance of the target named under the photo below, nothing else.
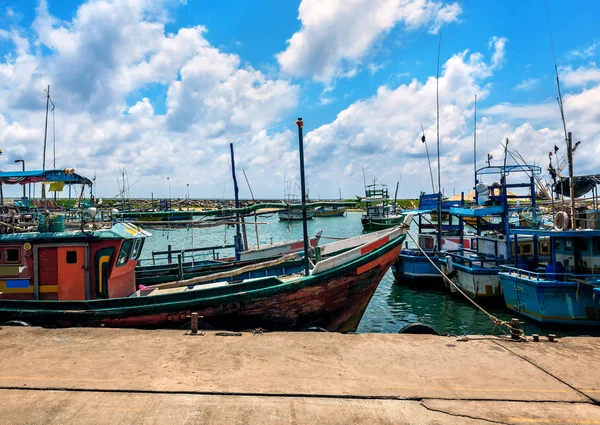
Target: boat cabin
(80, 265)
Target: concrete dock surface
(114, 376)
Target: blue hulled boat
(475, 270)
(412, 265)
(566, 289)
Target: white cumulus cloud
(336, 34)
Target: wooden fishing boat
(87, 279)
(333, 211)
(379, 214)
(294, 215)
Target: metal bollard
(515, 331)
(551, 337)
(194, 323)
(536, 337)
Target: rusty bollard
(536, 337)
(194, 323)
(551, 337)
(515, 330)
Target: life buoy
(561, 221)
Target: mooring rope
(497, 322)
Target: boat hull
(340, 212)
(294, 215)
(334, 299)
(415, 267)
(479, 283)
(370, 224)
(551, 301)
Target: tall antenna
(428, 160)
(568, 136)
(46, 129)
(53, 137)
(475, 140)
(560, 102)
(437, 99)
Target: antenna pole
(255, 223)
(428, 160)
(54, 142)
(475, 140)
(437, 98)
(45, 140)
(571, 178)
(300, 124)
(238, 238)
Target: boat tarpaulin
(36, 176)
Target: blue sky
(161, 88)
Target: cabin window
(568, 245)
(544, 248)
(71, 257)
(583, 245)
(525, 249)
(13, 255)
(557, 244)
(124, 252)
(137, 249)
(139, 254)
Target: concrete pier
(111, 376)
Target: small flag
(423, 138)
(555, 148)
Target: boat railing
(181, 253)
(539, 275)
(475, 258)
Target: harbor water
(393, 305)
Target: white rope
(494, 319)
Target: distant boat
(333, 211)
(164, 213)
(379, 214)
(295, 215)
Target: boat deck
(118, 376)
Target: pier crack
(460, 415)
(531, 362)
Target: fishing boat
(331, 211)
(379, 213)
(87, 279)
(294, 215)
(413, 265)
(290, 213)
(565, 290)
(475, 270)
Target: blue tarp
(36, 176)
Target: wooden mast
(239, 246)
(437, 96)
(300, 124)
